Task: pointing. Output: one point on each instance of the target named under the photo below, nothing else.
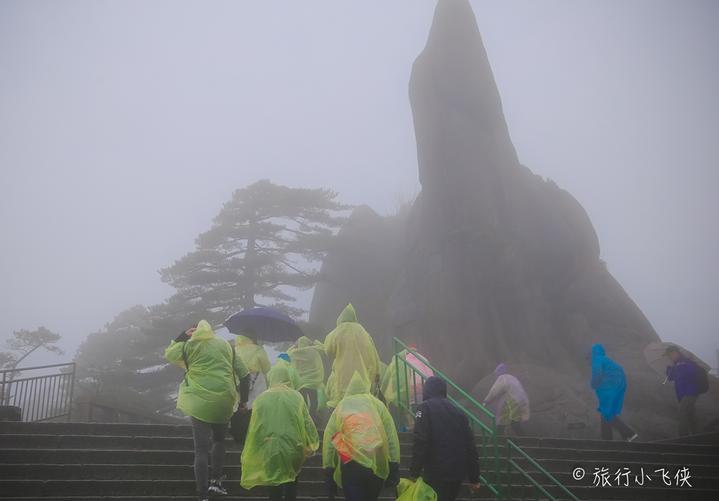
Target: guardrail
(484, 422)
(42, 393)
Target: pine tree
(264, 242)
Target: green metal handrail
(489, 447)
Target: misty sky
(125, 125)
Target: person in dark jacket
(444, 452)
(685, 374)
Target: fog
(124, 126)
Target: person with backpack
(690, 381)
(208, 395)
(360, 449)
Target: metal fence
(42, 393)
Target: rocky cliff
(495, 264)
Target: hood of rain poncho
(279, 375)
(348, 315)
(418, 490)
(304, 342)
(307, 361)
(203, 331)
(280, 437)
(501, 370)
(294, 377)
(351, 349)
(358, 386)
(208, 391)
(609, 383)
(360, 430)
(435, 387)
(254, 355)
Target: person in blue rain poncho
(609, 383)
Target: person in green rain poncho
(208, 395)
(281, 436)
(306, 359)
(351, 350)
(254, 356)
(284, 360)
(360, 449)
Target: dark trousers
(360, 483)
(287, 491)
(446, 490)
(516, 426)
(616, 423)
(202, 433)
(687, 415)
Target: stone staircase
(64, 461)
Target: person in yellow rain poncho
(360, 450)
(254, 356)
(306, 359)
(351, 350)
(284, 360)
(281, 436)
(208, 395)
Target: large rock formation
(498, 264)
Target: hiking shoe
(633, 438)
(216, 488)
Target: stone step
(70, 450)
(183, 489)
(164, 431)
(309, 473)
(567, 443)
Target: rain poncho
(351, 350)
(418, 490)
(508, 398)
(360, 429)
(281, 435)
(208, 391)
(254, 355)
(608, 382)
(412, 378)
(294, 377)
(307, 361)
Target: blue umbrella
(267, 324)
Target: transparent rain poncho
(351, 350)
(281, 435)
(307, 361)
(254, 355)
(360, 429)
(208, 390)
